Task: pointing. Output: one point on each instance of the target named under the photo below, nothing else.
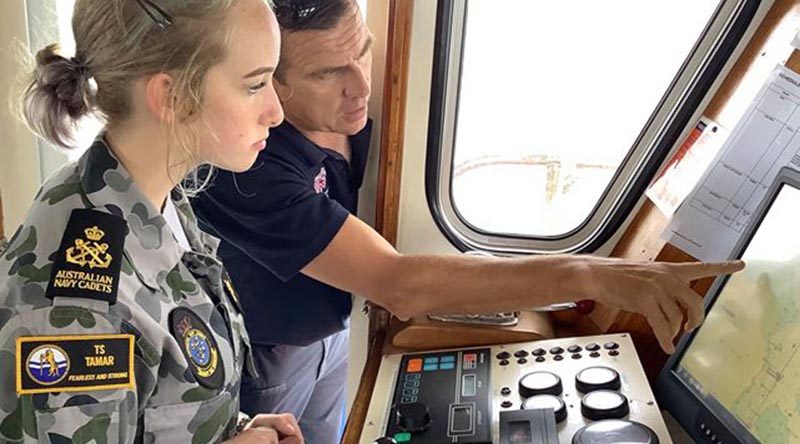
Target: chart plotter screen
(744, 362)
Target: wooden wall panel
(398, 45)
(393, 120)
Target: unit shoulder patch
(89, 259)
(46, 364)
(198, 346)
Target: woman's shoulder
(41, 229)
(26, 261)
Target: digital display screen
(468, 385)
(462, 419)
(519, 432)
(744, 361)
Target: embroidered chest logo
(321, 181)
(90, 252)
(47, 364)
(198, 346)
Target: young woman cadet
(118, 324)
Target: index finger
(695, 270)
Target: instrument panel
(567, 390)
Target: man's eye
(325, 75)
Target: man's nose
(358, 85)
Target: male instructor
(296, 251)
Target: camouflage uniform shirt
(166, 401)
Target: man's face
(325, 84)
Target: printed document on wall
(714, 215)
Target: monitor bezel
(672, 391)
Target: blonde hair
(118, 42)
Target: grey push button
(410, 392)
(411, 384)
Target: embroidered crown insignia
(90, 253)
(94, 233)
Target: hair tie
(80, 67)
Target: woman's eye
(254, 88)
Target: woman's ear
(159, 97)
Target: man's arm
(359, 260)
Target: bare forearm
(360, 261)
(468, 284)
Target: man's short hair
(307, 15)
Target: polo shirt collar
(311, 153)
(315, 154)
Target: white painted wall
(19, 158)
(417, 232)
(377, 21)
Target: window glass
(552, 97)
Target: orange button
(414, 365)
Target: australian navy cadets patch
(88, 262)
(199, 347)
(46, 364)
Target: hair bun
(66, 79)
(57, 97)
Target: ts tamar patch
(199, 347)
(47, 364)
(88, 262)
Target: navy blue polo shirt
(276, 218)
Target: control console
(568, 390)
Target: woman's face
(240, 104)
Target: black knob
(503, 355)
(537, 383)
(615, 430)
(547, 402)
(597, 378)
(413, 417)
(385, 440)
(604, 404)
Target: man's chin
(352, 128)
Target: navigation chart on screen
(746, 354)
